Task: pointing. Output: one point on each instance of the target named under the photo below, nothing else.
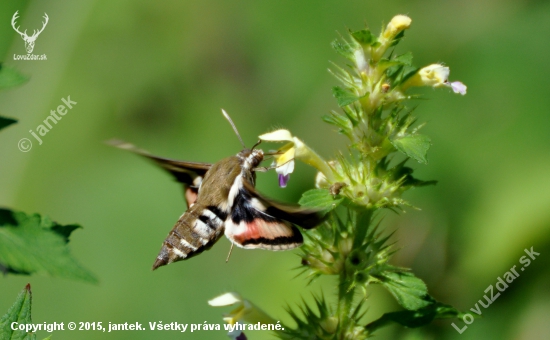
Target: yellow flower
(397, 24)
(435, 75)
(293, 149)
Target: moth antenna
(257, 143)
(230, 250)
(238, 135)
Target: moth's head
(251, 158)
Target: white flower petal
(286, 168)
(227, 299)
(434, 75)
(281, 135)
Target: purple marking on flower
(458, 87)
(237, 335)
(283, 180)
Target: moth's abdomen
(196, 230)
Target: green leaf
(407, 72)
(319, 199)
(4, 122)
(343, 123)
(405, 58)
(414, 146)
(10, 77)
(343, 49)
(416, 318)
(404, 174)
(384, 64)
(34, 244)
(397, 38)
(344, 97)
(19, 312)
(410, 291)
(394, 71)
(364, 37)
(63, 230)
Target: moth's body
(203, 223)
(221, 200)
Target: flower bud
(397, 24)
(345, 246)
(330, 324)
(321, 181)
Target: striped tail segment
(196, 231)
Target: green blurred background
(157, 74)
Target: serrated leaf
(319, 199)
(405, 58)
(414, 146)
(404, 173)
(10, 77)
(4, 122)
(416, 318)
(364, 37)
(343, 49)
(63, 230)
(343, 97)
(410, 291)
(34, 244)
(19, 312)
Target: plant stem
(346, 292)
(345, 300)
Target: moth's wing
(302, 217)
(190, 174)
(256, 222)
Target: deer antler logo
(29, 41)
